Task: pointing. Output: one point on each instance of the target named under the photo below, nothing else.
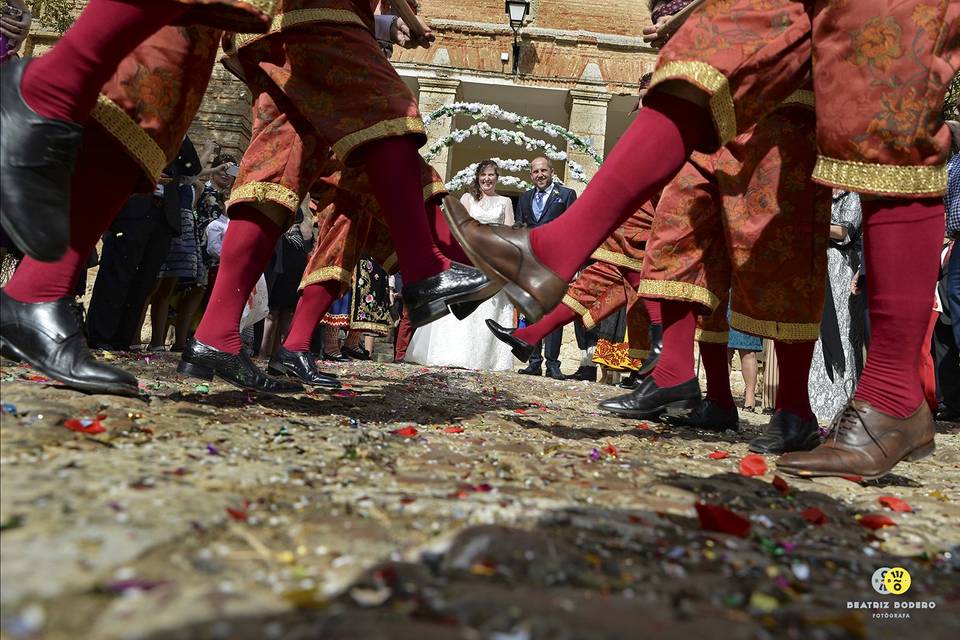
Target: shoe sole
(10, 351)
(286, 372)
(532, 310)
(204, 372)
(921, 452)
(436, 309)
(677, 405)
(810, 446)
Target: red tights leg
(393, 165)
(676, 360)
(534, 333)
(247, 247)
(649, 154)
(314, 302)
(442, 236)
(902, 240)
(716, 364)
(793, 367)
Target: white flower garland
(464, 177)
(503, 136)
(479, 111)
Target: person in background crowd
(134, 249)
(546, 201)
(951, 201)
(838, 355)
(369, 311)
(747, 346)
(14, 27)
(297, 243)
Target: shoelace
(847, 420)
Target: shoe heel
(532, 310)
(921, 452)
(7, 352)
(195, 370)
(425, 314)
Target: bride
(468, 343)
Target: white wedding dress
(449, 342)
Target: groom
(540, 205)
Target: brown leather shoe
(504, 254)
(864, 442)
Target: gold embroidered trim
(789, 331)
(391, 263)
(721, 337)
(800, 96)
(326, 274)
(125, 130)
(385, 129)
(618, 259)
(711, 80)
(881, 179)
(263, 191)
(433, 189)
(673, 290)
(380, 328)
(298, 17)
(580, 310)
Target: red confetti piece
(36, 378)
(855, 479)
(519, 410)
(814, 516)
(84, 426)
(713, 517)
(718, 455)
(407, 500)
(895, 504)
(405, 432)
(611, 451)
(643, 426)
(876, 521)
(240, 515)
(781, 485)
(345, 393)
(453, 429)
(753, 465)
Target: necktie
(538, 205)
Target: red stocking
(534, 333)
(314, 302)
(793, 367)
(442, 236)
(716, 365)
(676, 360)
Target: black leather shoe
(462, 310)
(656, 346)
(48, 335)
(707, 416)
(787, 432)
(555, 373)
(429, 299)
(587, 374)
(530, 370)
(37, 155)
(358, 353)
(333, 357)
(648, 401)
(202, 361)
(521, 350)
(631, 381)
(300, 365)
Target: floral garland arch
(480, 111)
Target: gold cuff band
(617, 259)
(673, 290)
(881, 179)
(125, 130)
(711, 80)
(787, 331)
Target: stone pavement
(423, 503)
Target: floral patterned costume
(746, 219)
(321, 83)
(881, 72)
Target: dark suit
(134, 248)
(557, 202)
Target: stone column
(588, 119)
(435, 93)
